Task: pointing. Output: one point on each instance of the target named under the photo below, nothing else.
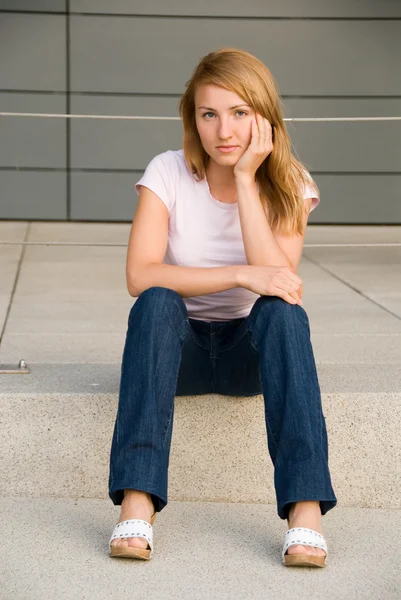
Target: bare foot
(305, 514)
(136, 505)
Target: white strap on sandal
(133, 528)
(303, 537)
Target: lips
(226, 149)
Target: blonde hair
(280, 177)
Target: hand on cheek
(260, 146)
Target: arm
(146, 249)
(186, 281)
(262, 247)
(145, 269)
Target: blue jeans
(268, 352)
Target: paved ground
(64, 310)
(55, 548)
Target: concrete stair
(57, 444)
(67, 319)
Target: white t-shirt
(203, 232)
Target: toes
(130, 542)
(306, 550)
(120, 542)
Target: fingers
(296, 297)
(255, 133)
(290, 287)
(288, 275)
(262, 131)
(265, 131)
(291, 298)
(259, 125)
(288, 292)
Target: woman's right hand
(271, 281)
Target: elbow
(133, 287)
(133, 291)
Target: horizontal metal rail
(113, 245)
(154, 118)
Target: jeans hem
(117, 496)
(325, 505)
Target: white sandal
(137, 528)
(303, 537)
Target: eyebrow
(231, 108)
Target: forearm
(186, 281)
(260, 245)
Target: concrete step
(68, 320)
(57, 444)
(58, 548)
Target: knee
(157, 301)
(273, 308)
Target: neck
(220, 176)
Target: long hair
(280, 177)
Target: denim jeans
(268, 352)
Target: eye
(242, 111)
(208, 113)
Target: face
(223, 119)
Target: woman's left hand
(259, 148)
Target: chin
(225, 158)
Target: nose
(224, 128)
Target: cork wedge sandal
(137, 528)
(304, 537)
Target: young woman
(213, 255)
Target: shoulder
(309, 185)
(309, 189)
(170, 158)
(162, 166)
(170, 164)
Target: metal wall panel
(251, 8)
(344, 198)
(138, 65)
(358, 199)
(33, 195)
(34, 5)
(102, 144)
(33, 52)
(323, 147)
(155, 55)
(346, 147)
(33, 142)
(103, 196)
(327, 147)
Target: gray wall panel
(32, 142)
(325, 147)
(328, 58)
(122, 144)
(103, 196)
(306, 57)
(346, 147)
(342, 107)
(358, 199)
(258, 8)
(29, 195)
(34, 5)
(33, 52)
(344, 199)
